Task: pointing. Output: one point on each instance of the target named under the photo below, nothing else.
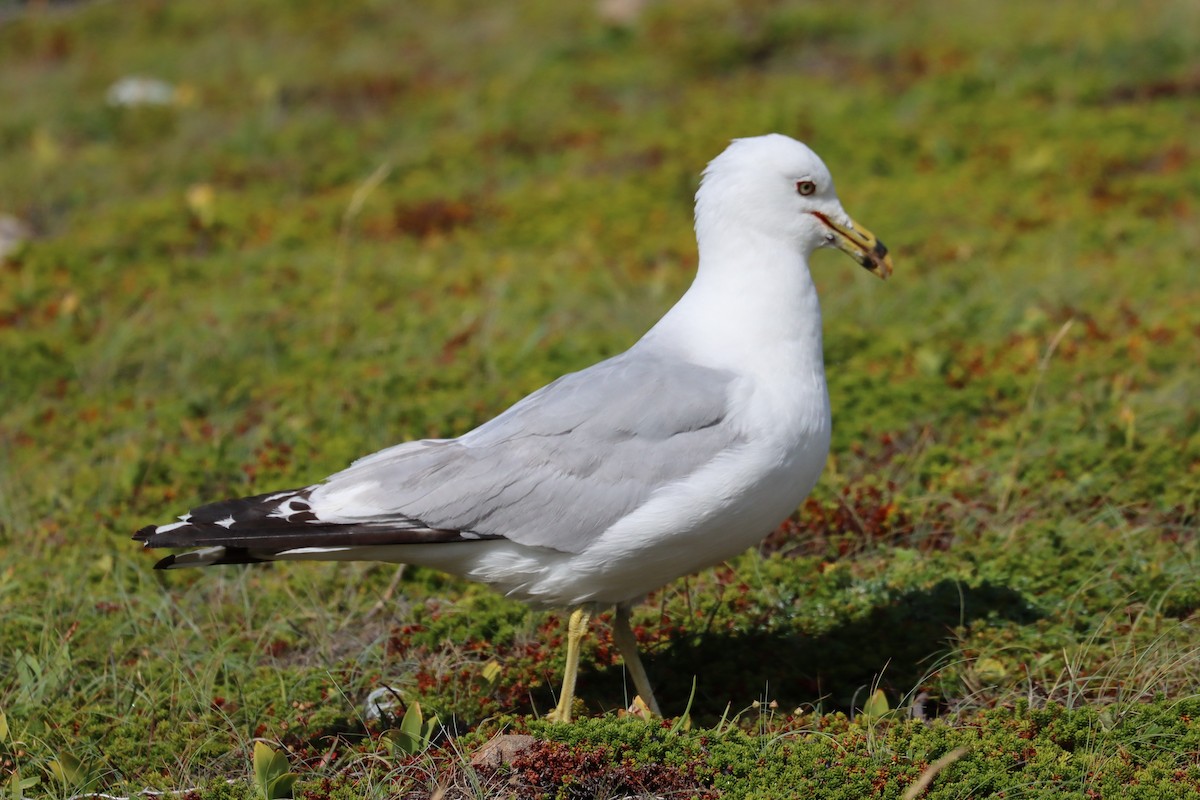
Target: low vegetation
(333, 227)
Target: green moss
(1052, 751)
(1005, 537)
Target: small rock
(620, 13)
(136, 90)
(13, 234)
(501, 750)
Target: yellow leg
(576, 629)
(627, 644)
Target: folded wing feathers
(251, 529)
(555, 470)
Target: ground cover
(356, 224)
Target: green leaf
(491, 673)
(17, 785)
(991, 670)
(407, 739)
(3, 727)
(69, 770)
(282, 786)
(271, 772)
(876, 705)
(411, 724)
(415, 732)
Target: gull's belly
(719, 512)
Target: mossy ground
(364, 222)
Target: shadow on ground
(895, 646)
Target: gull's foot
(561, 712)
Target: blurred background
(242, 243)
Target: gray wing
(560, 466)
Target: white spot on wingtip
(226, 523)
(199, 558)
(171, 527)
(303, 551)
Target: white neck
(762, 311)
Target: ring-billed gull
(681, 452)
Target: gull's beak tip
(879, 261)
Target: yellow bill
(860, 244)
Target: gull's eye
(805, 188)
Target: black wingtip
(211, 556)
(145, 533)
